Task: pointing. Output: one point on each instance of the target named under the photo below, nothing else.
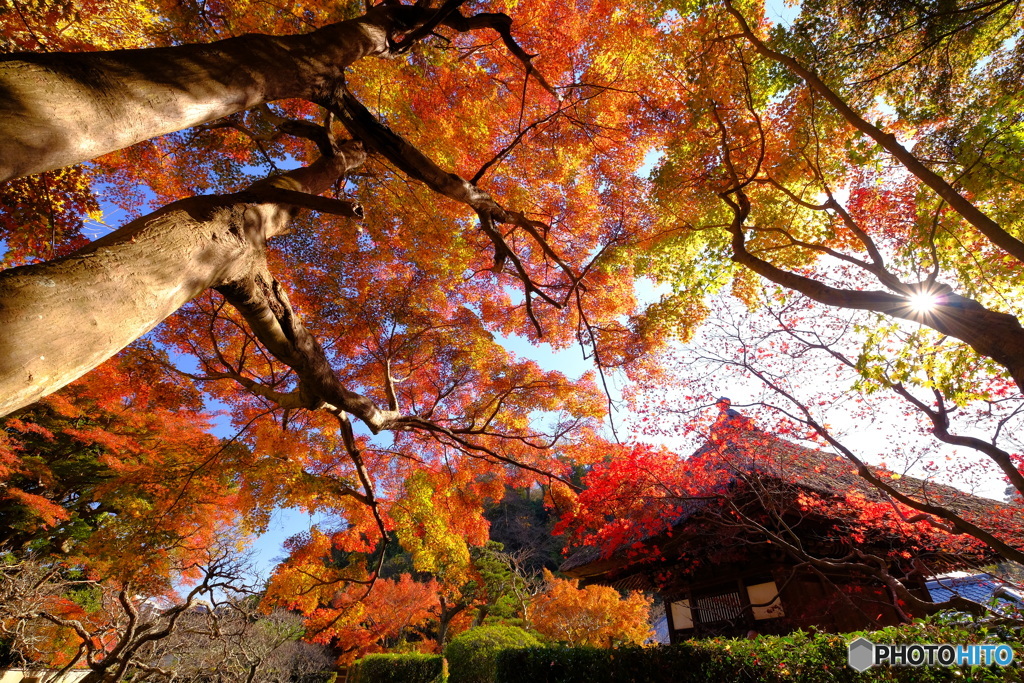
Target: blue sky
(268, 548)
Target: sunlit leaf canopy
(942, 82)
(863, 156)
(410, 291)
(746, 146)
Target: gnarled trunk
(58, 109)
(64, 317)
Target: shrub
(797, 658)
(319, 677)
(471, 655)
(596, 665)
(407, 668)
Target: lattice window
(714, 609)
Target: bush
(596, 665)
(798, 658)
(408, 668)
(319, 677)
(472, 655)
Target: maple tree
(405, 305)
(409, 330)
(489, 188)
(359, 623)
(595, 615)
(860, 159)
(748, 489)
(119, 462)
(412, 604)
(785, 147)
(162, 244)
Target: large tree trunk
(59, 109)
(64, 317)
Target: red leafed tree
(172, 266)
(329, 250)
(334, 239)
(887, 405)
(857, 160)
(358, 622)
(747, 489)
(120, 462)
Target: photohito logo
(862, 654)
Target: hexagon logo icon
(861, 654)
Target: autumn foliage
(120, 462)
(360, 623)
(747, 488)
(597, 616)
(613, 178)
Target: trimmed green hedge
(472, 656)
(407, 668)
(797, 658)
(502, 654)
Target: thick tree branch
(59, 109)
(175, 254)
(501, 23)
(303, 200)
(381, 139)
(996, 335)
(262, 301)
(427, 27)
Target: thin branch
(887, 141)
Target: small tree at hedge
(595, 615)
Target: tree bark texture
(64, 317)
(58, 109)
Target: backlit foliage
(746, 488)
(119, 462)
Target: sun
(923, 302)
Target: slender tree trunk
(58, 109)
(64, 317)
(445, 617)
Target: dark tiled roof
(978, 588)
